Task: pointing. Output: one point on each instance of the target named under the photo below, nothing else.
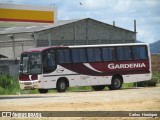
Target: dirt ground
(133, 99)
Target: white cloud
(95, 4)
(122, 5)
(146, 36)
(151, 3)
(156, 19)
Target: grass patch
(8, 85)
(128, 85)
(79, 88)
(157, 74)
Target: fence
(9, 66)
(155, 63)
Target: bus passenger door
(49, 66)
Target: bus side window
(78, 55)
(63, 56)
(82, 55)
(75, 56)
(67, 56)
(97, 54)
(51, 59)
(94, 54)
(108, 54)
(90, 55)
(123, 53)
(139, 52)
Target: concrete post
(35, 38)
(49, 39)
(22, 47)
(123, 39)
(75, 33)
(13, 47)
(113, 23)
(98, 31)
(111, 30)
(86, 42)
(62, 36)
(135, 26)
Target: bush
(8, 85)
(157, 75)
(2, 91)
(151, 82)
(5, 81)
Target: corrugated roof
(12, 30)
(36, 28)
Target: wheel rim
(62, 85)
(117, 83)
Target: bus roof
(40, 49)
(103, 45)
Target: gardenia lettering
(120, 66)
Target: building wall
(11, 45)
(86, 31)
(8, 66)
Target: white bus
(59, 67)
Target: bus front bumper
(29, 84)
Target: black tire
(61, 86)
(42, 91)
(116, 83)
(98, 87)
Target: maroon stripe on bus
(110, 68)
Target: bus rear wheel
(98, 87)
(61, 86)
(43, 91)
(116, 83)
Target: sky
(123, 12)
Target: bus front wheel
(116, 83)
(61, 86)
(43, 91)
(98, 88)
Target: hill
(155, 47)
(137, 41)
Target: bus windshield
(31, 63)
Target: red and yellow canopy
(27, 13)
